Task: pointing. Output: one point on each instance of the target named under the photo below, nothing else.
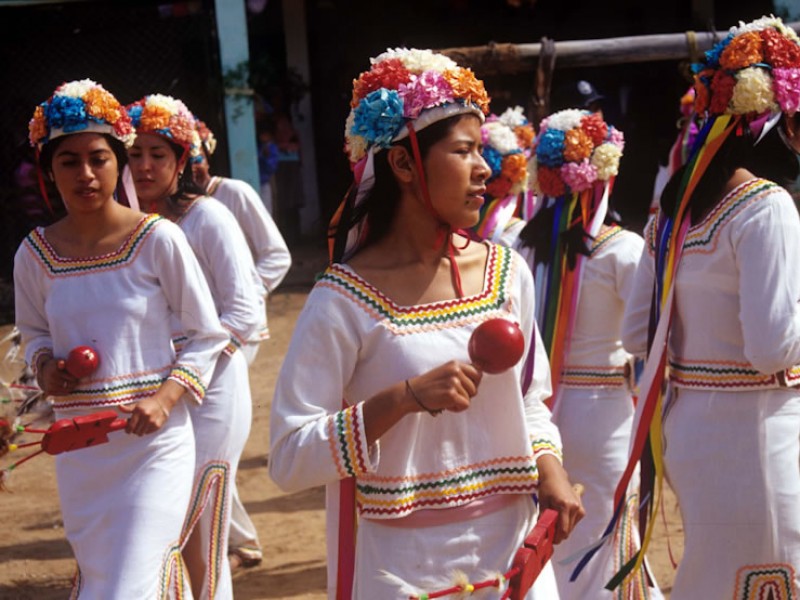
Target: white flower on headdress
(765, 23)
(76, 89)
(501, 138)
(565, 120)
(605, 158)
(168, 103)
(513, 117)
(753, 92)
(418, 61)
(356, 144)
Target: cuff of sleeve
(541, 447)
(234, 344)
(44, 351)
(348, 443)
(190, 379)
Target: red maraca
(496, 345)
(82, 361)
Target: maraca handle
(118, 424)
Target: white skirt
(595, 426)
(733, 459)
(124, 504)
(424, 559)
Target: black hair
(770, 159)
(380, 204)
(49, 149)
(187, 188)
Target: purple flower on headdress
(379, 116)
(786, 84)
(579, 176)
(67, 113)
(550, 148)
(424, 91)
(616, 137)
(494, 159)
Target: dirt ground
(36, 561)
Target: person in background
(376, 397)
(718, 289)
(268, 158)
(160, 162)
(272, 260)
(111, 277)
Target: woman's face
(456, 174)
(85, 170)
(154, 168)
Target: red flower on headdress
(550, 181)
(744, 50)
(722, 85)
(780, 51)
(595, 128)
(389, 74)
(702, 93)
(499, 187)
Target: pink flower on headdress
(722, 85)
(424, 91)
(786, 84)
(389, 74)
(617, 138)
(579, 176)
(780, 51)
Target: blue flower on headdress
(494, 159)
(712, 56)
(550, 148)
(67, 113)
(379, 116)
(135, 113)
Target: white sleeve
(627, 254)
(315, 439)
(29, 299)
(185, 288)
(544, 435)
(221, 248)
(767, 249)
(636, 319)
(269, 250)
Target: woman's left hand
(556, 492)
(151, 414)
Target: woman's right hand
(450, 386)
(53, 378)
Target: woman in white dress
(376, 398)
(159, 159)
(724, 244)
(110, 277)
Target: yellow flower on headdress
(742, 51)
(753, 92)
(467, 88)
(102, 105)
(605, 159)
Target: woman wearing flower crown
(166, 139)
(110, 277)
(376, 398)
(583, 263)
(726, 319)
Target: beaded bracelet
(433, 413)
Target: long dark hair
(770, 159)
(187, 188)
(380, 203)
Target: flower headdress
(80, 107)
(507, 143)
(207, 138)
(404, 91)
(168, 117)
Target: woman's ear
(791, 125)
(401, 164)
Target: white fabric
(223, 424)
(731, 455)
(595, 421)
(352, 342)
(123, 502)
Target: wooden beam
(509, 59)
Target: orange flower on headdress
(525, 135)
(743, 51)
(467, 88)
(577, 145)
(154, 117)
(515, 166)
(102, 105)
(702, 94)
(37, 126)
(389, 74)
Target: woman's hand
(556, 492)
(450, 386)
(150, 415)
(53, 378)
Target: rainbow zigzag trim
(757, 582)
(172, 575)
